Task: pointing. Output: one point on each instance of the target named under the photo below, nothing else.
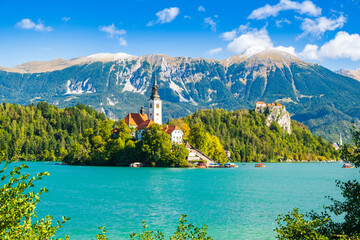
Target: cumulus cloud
(28, 24)
(344, 45)
(249, 41)
(113, 32)
(310, 52)
(228, 36)
(319, 26)
(253, 38)
(214, 51)
(210, 22)
(306, 7)
(66, 19)
(201, 9)
(165, 16)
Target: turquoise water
(238, 203)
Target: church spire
(155, 93)
(341, 142)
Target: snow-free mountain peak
(355, 74)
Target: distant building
(337, 145)
(139, 122)
(228, 154)
(176, 134)
(262, 106)
(142, 127)
(133, 120)
(155, 104)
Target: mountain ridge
(355, 74)
(59, 64)
(314, 95)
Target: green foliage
(324, 225)
(156, 146)
(43, 132)
(17, 207)
(293, 226)
(184, 231)
(207, 143)
(248, 138)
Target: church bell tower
(155, 105)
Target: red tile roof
(170, 129)
(146, 124)
(135, 119)
(260, 103)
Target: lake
(237, 203)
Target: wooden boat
(230, 165)
(347, 165)
(260, 165)
(136, 164)
(201, 165)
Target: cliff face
(281, 116)
(277, 114)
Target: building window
(157, 105)
(157, 114)
(150, 105)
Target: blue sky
(326, 31)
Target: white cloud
(344, 45)
(211, 23)
(280, 23)
(122, 42)
(253, 38)
(165, 16)
(112, 30)
(310, 52)
(320, 25)
(249, 41)
(228, 36)
(306, 7)
(187, 17)
(66, 19)
(201, 9)
(214, 51)
(290, 50)
(27, 23)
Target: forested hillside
(80, 135)
(43, 131)
(248, 138)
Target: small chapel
(139, 122)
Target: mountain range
(119, 83)
(355, 74)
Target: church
(139, 122)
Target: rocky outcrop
(355, 74)
(281, 116)
(275, 113)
